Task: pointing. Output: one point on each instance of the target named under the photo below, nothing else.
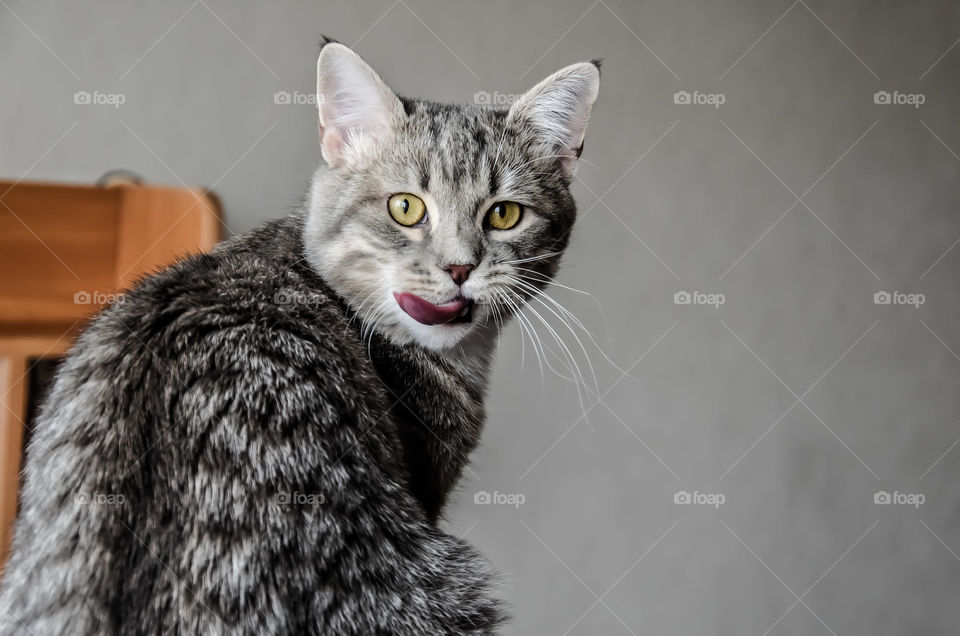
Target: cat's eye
(504, 215)
(406, 209)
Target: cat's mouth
(458, 310)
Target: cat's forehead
(434, 118)
(459, 133)
(455, 151)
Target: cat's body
(252, 472)
(261, 439)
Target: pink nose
(459, 273)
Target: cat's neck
(438, 408)
(473, 356)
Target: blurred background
(766, 443)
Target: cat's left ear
(357, 109)
(558, 109)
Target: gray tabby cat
(261, 439)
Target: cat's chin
(440, 337)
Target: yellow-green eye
(504, 215)
(406, 209)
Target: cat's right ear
(557, 110)
(356, 108)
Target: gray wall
(797, 399)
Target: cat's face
(431, 220)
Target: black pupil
(501, 210)
(406, 206)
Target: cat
(261, 439)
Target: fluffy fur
(255, 440)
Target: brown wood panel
(55, 241)
(13, 407)
(157, 225)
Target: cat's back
(246, 323)
(252, 300)
(257, 279)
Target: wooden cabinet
(65, 252)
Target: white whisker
(553, 281)
(572, 361)
(525, 322)
(538, 294)
(531, 259)
(579, 324)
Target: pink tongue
(426, 312)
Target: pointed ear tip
(591, 68)
(331, 48)
(325, 40)
(589, 71)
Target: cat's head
(431, 220)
